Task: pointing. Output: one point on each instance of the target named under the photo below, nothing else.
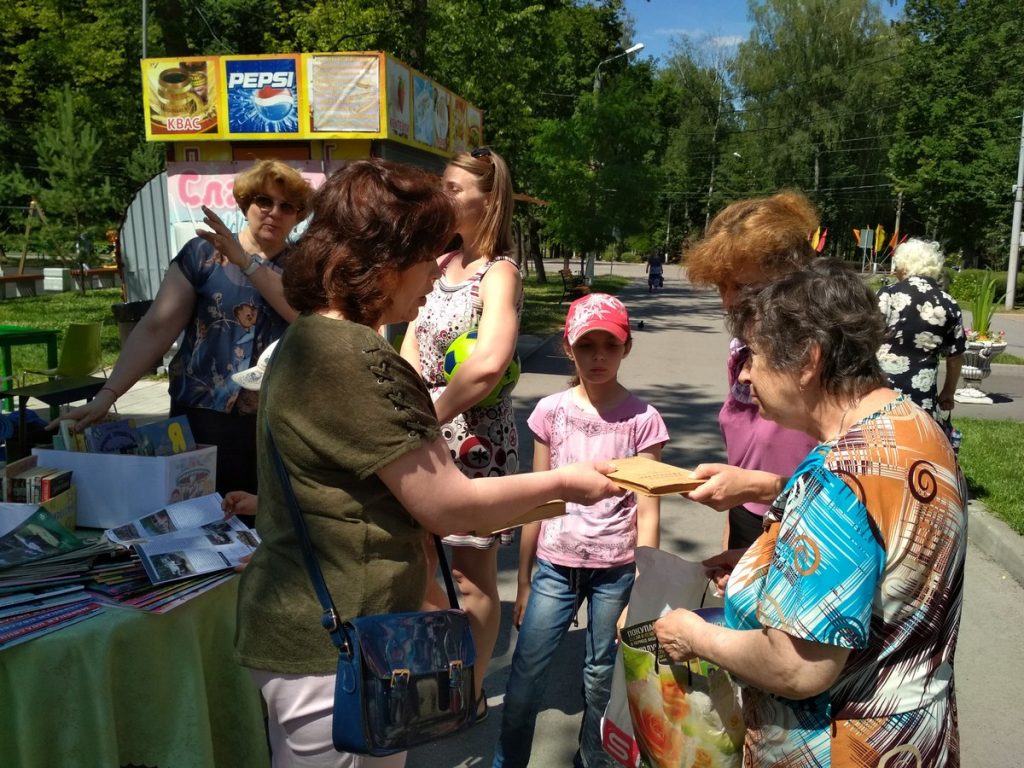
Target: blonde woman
(480, 287)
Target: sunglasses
(266, 204)
(480, 152)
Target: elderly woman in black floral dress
(923, 322)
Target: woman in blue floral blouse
(225, 292)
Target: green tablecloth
(127, 687)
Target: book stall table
(128, 687)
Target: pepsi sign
(262, 96)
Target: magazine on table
(187, 539)
(29, 533)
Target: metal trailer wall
(145, 240)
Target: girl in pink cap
(588, 554)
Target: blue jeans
(549, 612)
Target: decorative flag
(814, 238)
(821, 241)
(895, 239)
(856, 235)
(879, 238)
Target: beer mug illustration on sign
(175, 97)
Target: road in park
(678, 364)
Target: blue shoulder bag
(403, 679)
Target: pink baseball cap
(597, 312)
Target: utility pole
(1018, 200)
(668, 226)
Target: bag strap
(329, 619)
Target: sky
(658, 21)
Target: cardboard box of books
(114, 488)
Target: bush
(967, 283)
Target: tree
(816, 88)
(75, 194)
(695, 171)
(958, 122)
(597, 167)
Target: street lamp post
(597, 89)
(597, 71)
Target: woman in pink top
(748, 244)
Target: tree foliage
(815, 82)
(823, 96)
(958, 122)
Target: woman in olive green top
(357, 433)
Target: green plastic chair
(80, 355)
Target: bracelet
(110, 389)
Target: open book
(652, 478)
(187, 539)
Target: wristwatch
(255, 262)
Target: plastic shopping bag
(662, 714)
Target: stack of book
(42, 569)
(36, 484)
(160, 438)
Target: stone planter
(977, 366)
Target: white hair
(922, 258)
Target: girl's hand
(222, 239)
(676, 632)
(585, 483)
(519, 610)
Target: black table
(54, 392)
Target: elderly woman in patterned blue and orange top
(225, 292)
(842, 618)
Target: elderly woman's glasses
(266, 204)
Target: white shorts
(300, 712)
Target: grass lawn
(987, 457)
(1006, 359)
(542, 314)
(57, 311)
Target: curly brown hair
(371, 220)
(764, 236)
(276, 175)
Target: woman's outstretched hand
(84, 415)
(728, 486)
(585, 483)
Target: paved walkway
(678, 364)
